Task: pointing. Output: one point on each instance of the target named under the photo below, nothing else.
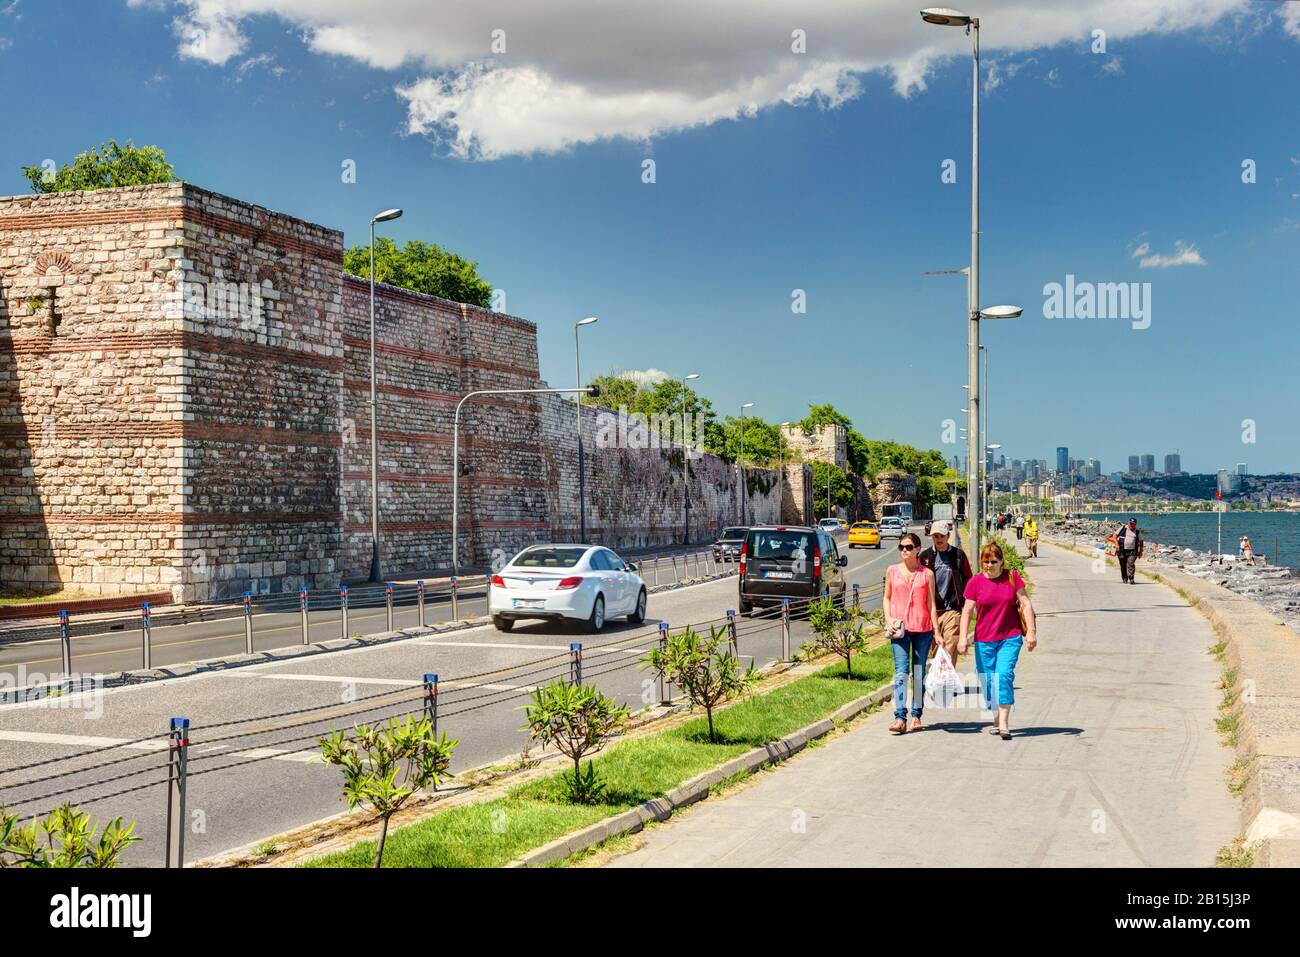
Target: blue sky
(1087, 158)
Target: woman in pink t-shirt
(996, 594)
(909, 598)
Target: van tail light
(744, 551)
(817, 562)
(498, 581)
(570, 582)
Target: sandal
(994, 729)
(898, 727)
(1006, 735)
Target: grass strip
(493, 833)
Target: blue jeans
(910, 653)
(996, 663)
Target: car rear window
(549, 557)
(774, 544)
(733, 533)
(864, 525)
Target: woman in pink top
(996, 594)
(909, 598)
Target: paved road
(245, 804)
(1117, 763)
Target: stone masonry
(184, 403)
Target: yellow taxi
(864, 534)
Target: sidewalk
(1116, 762)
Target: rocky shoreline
(1275, 587)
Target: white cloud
(643, 377)
(580, 71)
(1184, 254)
(998, 72)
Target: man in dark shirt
(1129, 542)
(952, 571)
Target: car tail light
(570, 582)
(744, 550)
(498, 581)
(817, 561)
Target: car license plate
(779, 575)
(529, 603)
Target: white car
(585, 583)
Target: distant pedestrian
(1005, 623)
(952, 571)
(1128, 549)
(1247, 550)
(1020, 527)
(1031, 536)
(911, 614)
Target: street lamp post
(455, 455)
(686, 477)
(740, 463)
(376, 573)
(582, 470)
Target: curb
(1268, 744)
(698, 788)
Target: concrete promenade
(1115, 761)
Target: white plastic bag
(942, 682)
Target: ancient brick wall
(635, 495)
(826, 443)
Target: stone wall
(826, 443)
(635, 495)
(893, 487)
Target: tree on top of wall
(423, 267)
(100, 167)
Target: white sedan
(586, 583)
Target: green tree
(841, 494)
(842, 631)
(65, 838)
(372, 758)
(856, 444)
(665, 397)
(764, 442)
(424, 267)
(578, 720)
(103, 166)
(706, 669)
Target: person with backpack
(952, 571)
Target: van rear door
(777, 559)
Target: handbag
(897, 627)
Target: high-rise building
(1173, 464)
(1148, 464)
(1062, 459)
(1133, 464)
(1241, 469)
(1229, 481)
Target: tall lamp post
(740, 463)
(582, 470)
(376, 573)
(686, 477)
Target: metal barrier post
(419, 595)
(248, 622)
(575, 662)
(65, 640)
(731, 631)
(673, 559)
(146, 636)
(343, 607)
(388, 601)
(177, 762)
(857, 596)
(785, 629)
(431, 700)
(665, 690)
(655, 562)
(455, 604)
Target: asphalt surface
(1114, 760)
(251, 780)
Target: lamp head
(945, 17)
(386, 215)
(1002, 312)
(588, 321)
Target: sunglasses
(907, 548)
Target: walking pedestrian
(911, 614)
(1128, 549)
(1004, 625)
(1031, 536)
(1020, 527)
(1247, 550)
(952, 571)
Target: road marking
(160, 744)
(558, 649)
(332, 679)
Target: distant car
(727, 547)
(864, 534)
(788, 561)
(586, 583)
(831, 525)
(892, 527)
